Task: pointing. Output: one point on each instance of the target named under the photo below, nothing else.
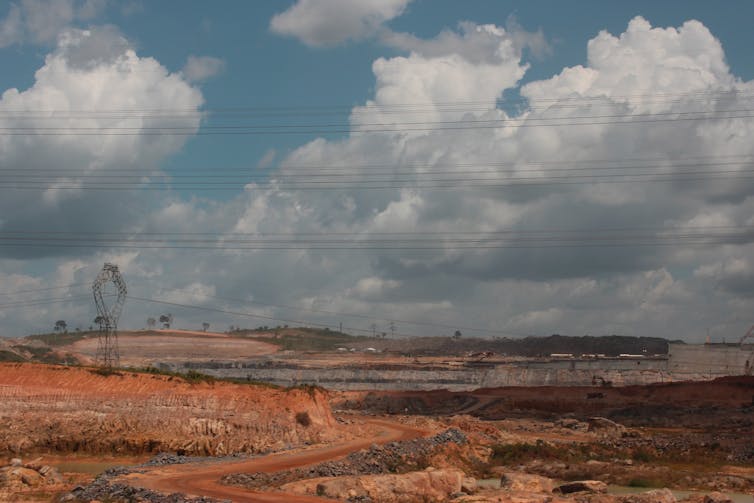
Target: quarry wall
(711, 359)
(684, 362)
(618, 372)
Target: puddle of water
(489, 483)
(87, 467)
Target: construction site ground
(81, 420)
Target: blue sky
(337, 53)
(265, 69)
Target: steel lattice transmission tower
(107, 316)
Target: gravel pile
(172, 459)
(102, 490)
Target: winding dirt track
(203, 479)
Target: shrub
(303, 419)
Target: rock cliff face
(51, 408)
(462, 378)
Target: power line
(237, 313)
(659, 97)
(529, 118)
(663, 230)
(60, 287)
(286, 173)
(281, 320)
(387, 242)
(387, 184)
(579, 164)
(41, 302)
(363, 317)
(454, 126)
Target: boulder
(605, 426)
(468, 485)
(716, 497)
(587, 486)
(51, 474)
(23, 476)
(525, 482)
(572, 424)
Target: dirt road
(203, 479)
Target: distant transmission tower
(107, 317)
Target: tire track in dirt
(203, 479)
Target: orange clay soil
(203, 479)
(47, 408)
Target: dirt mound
(138, 349)
(66, 409)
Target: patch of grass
(251, 382)
(106, 372)
(645, 482)
(310, 389)
(195, 377)
(45, 355)
(309, 339)
(303, 419)
(642, 455)
(508, 454)
(9, 356)
(57, 339)
(155, 370)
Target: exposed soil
(204, 479)
(140, 349)
(679, 435)
(65, 409)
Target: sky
(412, 167)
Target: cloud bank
(611, 193)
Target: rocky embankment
(65, 409)
(31, 476)
(444, 467)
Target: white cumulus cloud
(321, 23)
(41, 21)
(200, 68)
(89, 79)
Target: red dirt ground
(47, 408)
(202, 479)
